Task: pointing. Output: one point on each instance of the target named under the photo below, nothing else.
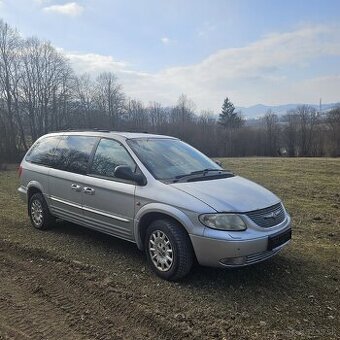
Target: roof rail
(81, 130)
(101, 130)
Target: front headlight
(229, 222)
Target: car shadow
(283, 270)
(280, 268)
(98, 241)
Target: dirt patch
(44, 297)
(72, 283)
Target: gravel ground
(73, 283)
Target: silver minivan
(175, 203)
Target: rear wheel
(168, 249)
(39, 213)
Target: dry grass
(294, 295)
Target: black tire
(182, 252)
(37, 201)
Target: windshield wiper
(198, 172)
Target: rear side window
(74, 153)
(108, 156)
(43, 152)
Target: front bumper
(213, 252)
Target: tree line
(40, 92)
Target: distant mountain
(259, 110)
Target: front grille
(268, 217)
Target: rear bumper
(23, 193)
(233, 253)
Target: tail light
(20, 170)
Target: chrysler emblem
(272, 215)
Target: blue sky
(255, 51)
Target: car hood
(233, 194)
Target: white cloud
(41, 2)
(94, 63)
(325, 87)
(261, 72)
(165, 40)
(70, 8)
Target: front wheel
(168, 249)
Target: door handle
(88, 191)
(75, 187)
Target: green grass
(294, 295)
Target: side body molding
(164, 209)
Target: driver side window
(108, 156)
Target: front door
(108, 202)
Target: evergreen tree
(231, 121)
(228, 118)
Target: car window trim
(146, 165)
(93, 152)
(36, 144)
(163, 180)
(112, 179)
(90, 156)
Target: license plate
(277, 240)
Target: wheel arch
(152, 212)
(33, 187)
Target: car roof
(112, 134)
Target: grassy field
(86, 285)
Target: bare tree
(109, 97)
(204, 131)
(272, 133)
(290, 132)
(84, 97)
(45, 74)
(9, 49)
(62, 99)
(39, 92)
(137, 115)
(308, 120)
(333, 120)
(183, 111)
(158, 116)
(181, 116)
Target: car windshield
(170, 158)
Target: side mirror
(125, 172)
(218, 162)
